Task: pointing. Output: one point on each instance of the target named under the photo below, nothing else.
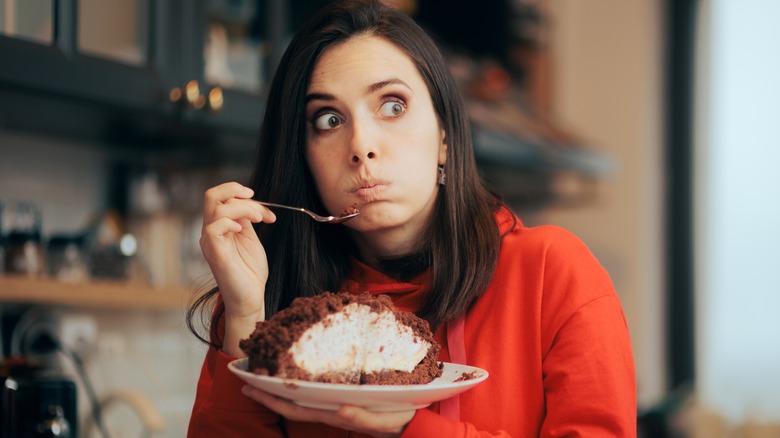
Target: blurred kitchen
(643, 127)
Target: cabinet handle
(175, 95)
(191, 97)
(216, 99)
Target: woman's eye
(327, 121)
(392, 108)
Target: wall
(607, 85)
(65, 179)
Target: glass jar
(24, 254)
(20, 225)
(65, 259)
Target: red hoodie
(549, 329)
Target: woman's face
(373, 137)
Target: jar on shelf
(20, 230)
(65, 258)
(25, 253)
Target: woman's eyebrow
(319, 96)
(369, 89)
(381, 84)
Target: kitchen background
(643, 127)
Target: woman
(363, 111)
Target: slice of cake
(344, 338)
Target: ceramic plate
(373, 397)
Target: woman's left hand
(378, 424)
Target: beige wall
(607, 86)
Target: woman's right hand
(236, 257)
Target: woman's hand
(236, 257)
(378, 424)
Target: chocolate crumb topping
(268, 347)
(466, 376)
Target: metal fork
(315, 216)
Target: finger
(220, 194)
(347, 417)
(268, 214)
(247, 229)
(221, 227)
(213, 234)
(243, 209)
(364, 420)
(226, 191)
(283, 407)
(292, 411)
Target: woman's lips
(369, 193)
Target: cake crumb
(350, 210)
(466, 376)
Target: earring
(442, 175)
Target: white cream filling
(358, 340)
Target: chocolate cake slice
(344, 338)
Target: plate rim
(375, 398)
(235, 367)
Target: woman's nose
(356, 158)
(364, 142)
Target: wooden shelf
(94, 294)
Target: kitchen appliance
(38, 406)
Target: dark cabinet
(62, 69)
(227, 50)
(141, 71)
(189, 77)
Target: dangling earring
(442, 175)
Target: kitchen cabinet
(191, 74)
(139, 71)
(227, 50)
(61, 69)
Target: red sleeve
(589, 382)
(426, 424)
(587, 363)
(221, 410)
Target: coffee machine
(38, 406)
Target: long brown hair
(306, 258)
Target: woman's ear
(443, 148)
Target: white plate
(373, 397)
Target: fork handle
(271, 204)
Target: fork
(315, 216)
